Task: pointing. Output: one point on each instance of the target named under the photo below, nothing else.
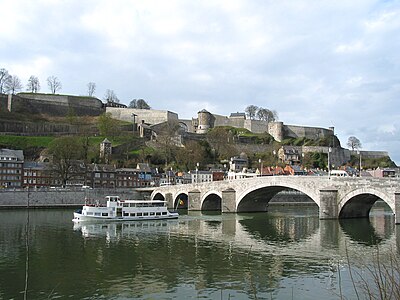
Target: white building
(201, 176)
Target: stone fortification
(56, 105)
(314, 133)
(43, 128)
(150, 116)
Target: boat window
(104, 214)
(126, 214)
(145, 214)
(152, 213)
(158, 214)
(89, 213)
(164, 213)
(133, 215)
(97, 214)
(139, 214)
(125, 204)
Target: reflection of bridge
(336, 197)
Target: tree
(221, 140)
(251, 111)
(65, 152)
(107, 125)
(139, 104)
(33, 84)
(167, 137)
(354, 143)
(4, 78)
(13, 85)
(267, 115)
(54, 84)
(110, 96)
(91, 89)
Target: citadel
(149, 119)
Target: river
(286, 253)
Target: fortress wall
(293, 131)
(256, 126)
(369, 154)
(43, 128)
(188, 124)
(3, 102)
(150, 116)
(56, 105)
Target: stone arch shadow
(212, 201)
(358, 203)
(158, 196)
(181, 200)
(257, 199)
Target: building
(289, 155)
(127, 178)
(11, 168)
(378, 172)
(237, 164)
(101, 176)
(36, 174)
(201, 176)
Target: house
(289, 155)
(237, 164)
(386, 172)
(101, 176)
(36, 174)
(127, 178)
(201, 176)
(11, 168)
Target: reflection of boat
(127, 210)
(119, 229)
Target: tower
(105, 150)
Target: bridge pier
(194, 200)
(228, 201)
(397, 208)
(328, 208)
(170, 200)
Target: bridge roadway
(337, 197)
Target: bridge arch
(256, 198)
(358, 203)
(158, 196)
(181, 200)
(212, 201)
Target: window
(139, 214)
(104, 214)
(158, 214)
(164, 213)
(145, 214)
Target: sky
(317, 63)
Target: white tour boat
(125, 210)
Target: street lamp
(261, 166)
(197, 172)
(359, 154)
(329, 162)
(134, 123)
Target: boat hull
(78, 217)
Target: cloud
(318, 63)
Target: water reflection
(261, 255)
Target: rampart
(150, 116)
(54, 105)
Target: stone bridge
(336, 197)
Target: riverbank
(55, 198)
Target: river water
(287, 253)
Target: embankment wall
(60, 197)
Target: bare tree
(110, 96)
(354, 143)
(251, 111)
(33, 84)
(267, 115)
(4, 78)
(139, 104)
(13, 85)
(91, 89)
(54, 84)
